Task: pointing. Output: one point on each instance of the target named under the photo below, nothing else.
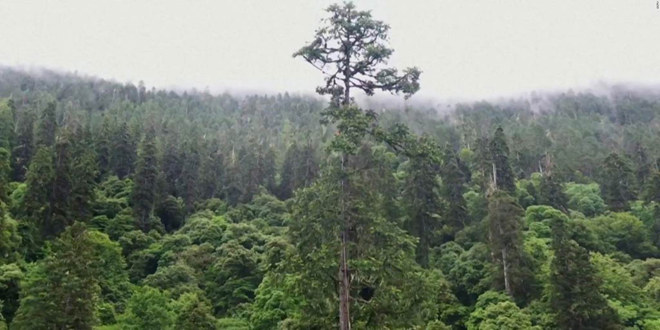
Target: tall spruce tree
(60, 198)
(506, 240)
(420, 196)
(502, 173)
(189, 180)
(123, 153)
(47, 128)
(84, 172)
(551, 192)
(288, 173)
(24, 146)
(39, 180)
(144, 189)
(455, 209)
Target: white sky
(466, 48)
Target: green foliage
(62, 290)
(148, 309)
(585, 198)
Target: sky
(467, 49)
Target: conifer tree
(47, 127)
(420, 196)
(61, 291)
(617, 182)
(189, 180)
(6, 125)
(575, 298)
(102, 146)
(123, 153)
(144, 189)
(288, 173)
(251, 177)
(351, 50)
(267, 168)
(22, 151)
(506, 241)
(455, 211)
(84, 172)
(502, 174)
(172, 163)
(307, 167)
(5, 174)
(60, 198)
(39, 180)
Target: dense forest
(123, 207)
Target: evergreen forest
(127, 207)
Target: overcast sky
(466, 48)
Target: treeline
(130, 208)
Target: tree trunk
(344, 285)
(344, 276)
(505, 266)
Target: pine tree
(502, 172)
(358, 63)
(251, 176)
(506, 241)
(172, 163)
(288, 173)
(47, 127)
(123, 153)
(60, 198)
(61, 291)
(307, 167)
(617, 182)
(212, 172)
(84, 172)
(22, 152)
(144, 189)
(5, 174)
(455, 211)
(102, 146)
(39, 180)
(575, 296)
(423, 205)
(6, 126)
(267, 168)
(189, 180)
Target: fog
(466, 49)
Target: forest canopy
(124, 207)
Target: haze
(467, 49)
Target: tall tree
(60, 198)
(144, 189)
(288, 173)
(47, 127)
(351, 49)
(420, 197)
(189, 180)
(22, 151)
(83, 175)
(502, 174)
(123, 153)
(455, 210)
(506, 241)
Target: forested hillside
(123, 207)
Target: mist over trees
(127, 207)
